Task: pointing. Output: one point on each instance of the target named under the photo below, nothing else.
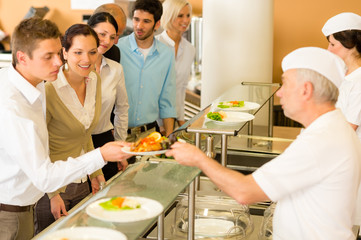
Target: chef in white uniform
(315, 180)
(343, 32)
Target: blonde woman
(175, 21)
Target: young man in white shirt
(26, 171)
(315, 180)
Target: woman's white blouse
(113, 94)
(349, 99)
(183, 66)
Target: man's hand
(112, 151)
(168, 124)
(187, 154)
(57, 207)
(96, 182)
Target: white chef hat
(317, 59)
(342, 22)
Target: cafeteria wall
(297, 23)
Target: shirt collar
(167, 39)
(104, 62)
(170, 42)
(134, 46)
(30, 92)
(61, 81)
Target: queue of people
(57, 134)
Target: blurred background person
(118, 14)
(343, 32)
(149, 73)
(3, 36)
(175, 21)
(113, 90)
(72, 111)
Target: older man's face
(290, 94)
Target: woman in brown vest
(73, 109)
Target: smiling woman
(114, 95)
(73, 109)
(175, 20)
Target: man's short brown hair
(28, 34)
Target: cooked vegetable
(150, 143)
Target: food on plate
(153, 142)
(120, 203)
(217, 116)
(230, 104)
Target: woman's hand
(57, 207)
(96, 183)
(122, 165)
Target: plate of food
(85, 233)
(237, 106)
(124, 209)
(153, 144)
(222, 117)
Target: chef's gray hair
(324, 89)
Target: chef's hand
(186, 154)
(57, 207)
(96, 182)
(122, 165)
(112, 151)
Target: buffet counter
(161, 181)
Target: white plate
(85, 233)
(212, 227)
(127, 150)
(149, 208)
(234, 118)
(247, 107)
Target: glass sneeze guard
(252, 92)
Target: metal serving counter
(162, 181)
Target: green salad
(214, 116)
(230, 104)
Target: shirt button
(141, 86)
(140, 102)
(138, 119)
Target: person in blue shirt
(149, 73)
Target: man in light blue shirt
(149, 71)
